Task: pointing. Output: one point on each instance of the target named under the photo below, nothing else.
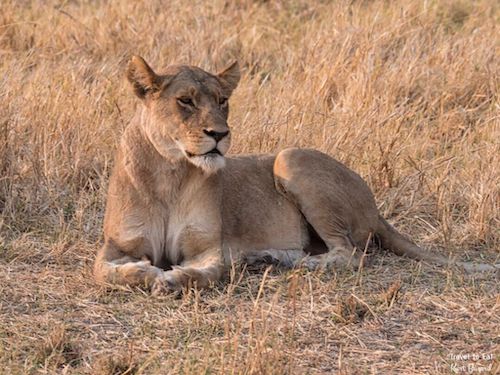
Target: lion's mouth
(212, 152)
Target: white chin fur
(209, 164)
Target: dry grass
(406, 93)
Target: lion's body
(255, 215)
(271, 202)
(179, 213)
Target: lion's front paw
(166, 283)
(136, 273)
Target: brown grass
(405, 92)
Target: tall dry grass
(404, 92)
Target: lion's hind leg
(335, 257)
(332, 199)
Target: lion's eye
(185, 101)
(222, 101)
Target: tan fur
(177, 216)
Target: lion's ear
(143, 79)
(230, 76)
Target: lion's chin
(210, 163)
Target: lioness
(179, 211)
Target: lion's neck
(163, 145)
(150, 172)
(159, 176)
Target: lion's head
(187, 110)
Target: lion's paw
(166, 283)
(328, 262)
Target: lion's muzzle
(216, 135)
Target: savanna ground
(404, 92)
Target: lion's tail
(397, 243)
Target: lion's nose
(215, 135)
